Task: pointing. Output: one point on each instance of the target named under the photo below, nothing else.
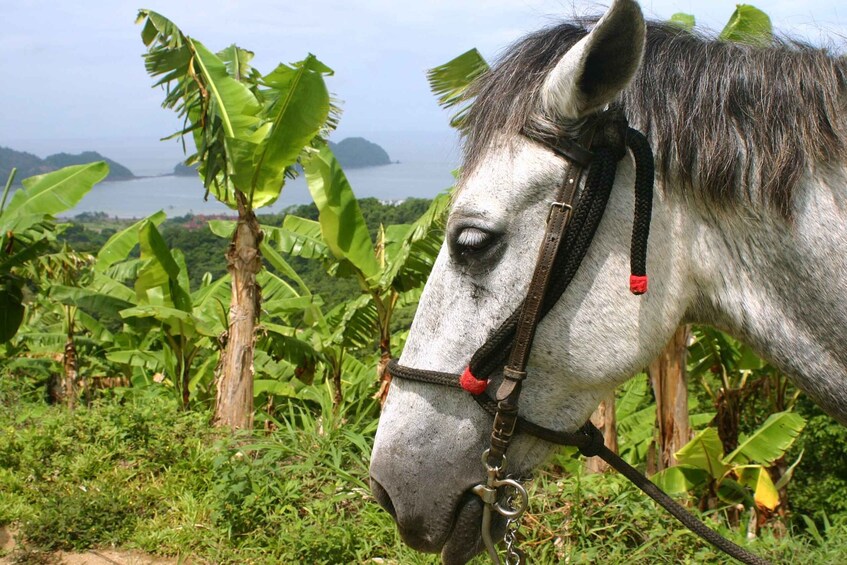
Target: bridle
(574, 216)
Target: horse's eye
(472, 240)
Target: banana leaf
(50, 194)
(769, 442)
(704, 451)
(342, 225)
(118, 247)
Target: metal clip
(512, 508)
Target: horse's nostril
(382, 498)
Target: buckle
(561, 205)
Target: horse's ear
(595, 70)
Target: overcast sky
(73, 70)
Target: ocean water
(425, 169)
(179, 196)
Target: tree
(249, 131)
(604, 418)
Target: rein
(574, 216)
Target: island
(183, 170)
(358, 152)
(29, 164)
(351, 152)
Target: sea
(423, 167)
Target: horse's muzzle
(411, 530)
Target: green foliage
(11, 308)
(770, 441)
(73, 478)
(452, 80)
(118, 246)
(685, 21)
(137, 472)
(102, 515)
(343, 227)
(702, 463)
(249, 130)
(27, 227)
(605, 519)
(820, 480)
(47, 195)
(635, 412)
(749, 25)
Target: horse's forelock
(729, 123)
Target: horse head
(426, 456)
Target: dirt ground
(93, 557)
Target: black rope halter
(574, 218)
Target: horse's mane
(740, 123)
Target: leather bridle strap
(514, 373)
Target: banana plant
(249, 131)
(160, 326)
(738, 477)
(27, 228)
(635, 413)
(189, 322)
(66, 267)
(297, 337)
(390, 272)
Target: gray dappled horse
(749, 234)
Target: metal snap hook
(496, 470)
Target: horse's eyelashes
(473, 239)
(472, 244)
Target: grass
(137, 473)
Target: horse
(749, 228)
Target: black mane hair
(730, 122)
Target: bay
(179, 196)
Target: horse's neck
(781, 286)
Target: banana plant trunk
(383, 377)
(604, 418)
(670, 387)
(234, 383)
(71, 370)
(186, 380)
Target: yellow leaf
(766, 494)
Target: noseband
(575, 214)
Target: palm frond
(452, 80)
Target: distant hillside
(183, 170)
(29, 164)
(355, 152)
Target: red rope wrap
(638, 284)
(472, 384)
